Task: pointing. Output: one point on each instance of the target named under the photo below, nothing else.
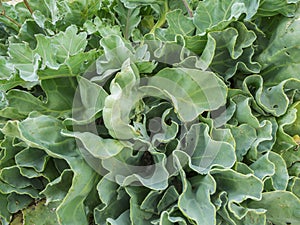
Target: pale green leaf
(282, 207)
(281, 176)
(215, 14)
(129, 18)
(24, 60)
(202, 152)
(120, 102)
(239, 187)
(189, 90)
(101, 148)
(88, 101)
(195, 202)
(263, 167)
(69, 43)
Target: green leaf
(294, 170)
(44, 132)
(117, 52)
(194, 202)
(285, 143)
(239, 187)
(273, 99)
(127, 170)
(5, 69)
(167, 132)
(24, 60)
(88, 101)
(271, 8)
(189, 89)
(244, 136)
(280, 59)
(52, 145)
(98, 147)
(129, 18)
(60, 95)
(69, 43)
(13, 177)
(293, 129)
(216, 15)
(48, 9)
(281, 176)
(170, 196)
(178, 24)
(17, 202)
(233, 50)
(263, 167)
(157, 201)
(253, 217)
(73, 66)
(4, 213)
(41, 214)
(296, 187)
(83, 181)
(120, 102)
(202, 151)
(115, 202)
(32, 157)
(282, 207)
(137, 215)
(167, 218)
(42, 48)
(123, 219)
(56, 190)
(135, 3)
(22, 103)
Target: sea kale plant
(150, 112)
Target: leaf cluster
(119, 112)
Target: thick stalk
(188, 8)
(162, 19)
(28, 6)
(3, 13)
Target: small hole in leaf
(287, 53)
(270, 89)
(169, 122)
(275, 106)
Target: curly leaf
(271, 8)
(129, 18)
(215, 14)
(202, 152)
(178, 24)
(280, 60)
(24, 60)
(194, 202)
(230, 181)
(118, 105)
(282, 207)
(189, 90)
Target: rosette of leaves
(150, 112)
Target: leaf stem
(3, 13)
(28, 6)
(162, 19)
(188, 8)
